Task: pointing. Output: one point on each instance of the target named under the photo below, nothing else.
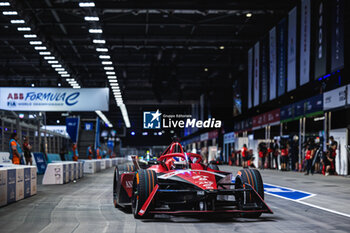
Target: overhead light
(62, 72)
(76, 87)
(40, 48)
(10, 13)
(56, 66)
(108, 68)
(49, 58)
(95, 30)
(30, 36)
(115, 87)
(248, 15)
(35, 42)
(65, 75)
(91, 18)
(114, 84)
(101, 49)
(98, 41)
(52, 62)
(59, 84)
(17, 21)
(107, 63)
(24, 29)
(69, 79)
(113, 81)
(104, 57)
(222, 47)
(33, 85)
(4, 4)
(45, 53)
(104, 118)
(111, 77)
(110, 73)
(86, 4)
(59, 69)
(205, 69)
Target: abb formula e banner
(273, 62)
(256, 73)
(54, 99)
(305, 35)
(292, 47)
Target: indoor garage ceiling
(164, 52)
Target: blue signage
(72, 125)
(314, 104)
(98, 129)
(40, 162)
(286, 193)
(88, 126)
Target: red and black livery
(179, 183)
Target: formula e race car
(179, 183)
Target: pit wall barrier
(17, 182)
(63, 172)
(97, 165)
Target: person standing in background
(98, 153)
(27, 151)
(75, 152)
(15, 149)
(245, 156)
(89, 152)
(284, 156)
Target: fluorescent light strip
(52, 62)
(30, 36)
(108, 68)
(65, 75)
(107, 63)
(113, 80)
(62, 72)
(10, 13)
(24, 29)
(110, 73)
(40, 48)
(56, 66)
(59, 69)
(114, 84)
(112, 77)
(95, 30)
(104, 118)
(91, 18)
(98, 41)
(5, 4)
(101, 50)
(17, 21)
(35, 42)
(49, 58)
(125, 115)
(45, 53)
(86, 4)
(104, 57)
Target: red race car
(179, 183)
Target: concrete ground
(86, 206)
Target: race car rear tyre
(214, 167)
(253, 178)
(144, 182)
(119, 169)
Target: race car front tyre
(119, 169)
(214, 167)
(144, 183)
(253, 178)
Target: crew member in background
(98, 153)
(262, 150)
(27, 151)
(275, 149)
(284, 156)
(270, 155)
(75, 152)
(89, 152)
(245, 156)
(333, 148)
(310, 152)
(294, 153)
(15, 149)
(329, 160)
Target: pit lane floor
(86, 206)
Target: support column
(3, 136)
